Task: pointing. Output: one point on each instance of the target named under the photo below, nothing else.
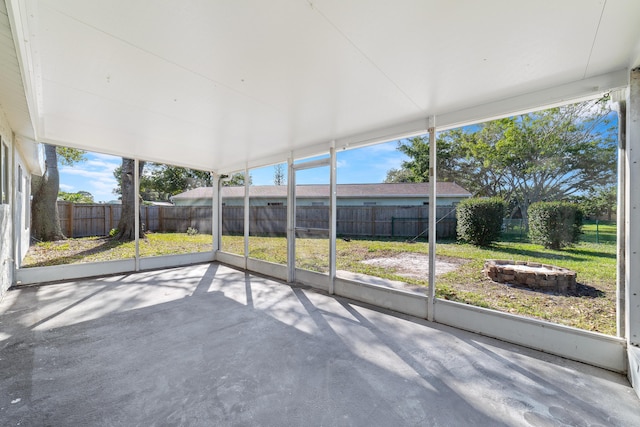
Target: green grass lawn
(600, 232)
(595, 264)
(98, 249)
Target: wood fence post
(70, 222)
(110, 218)
(373, 221)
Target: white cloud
(94, 175)
(95, 163)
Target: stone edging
(533, 275)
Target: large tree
(158, 182)
(549, 155)
(126, 225)
(45, 220)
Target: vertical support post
(621, 107)
(332, 219)
(632, 209)
(216, 213)
(136, 207)
(291, 221)
(432, 220)
(246, 215)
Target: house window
(19, 179)
(317, 203)
(4, 172)
(369, 203)
(275, 204)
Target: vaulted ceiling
(221, 84)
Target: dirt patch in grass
(461, 279)
(415, 265)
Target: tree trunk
(524, 210)
(126, 225)
(45, 221)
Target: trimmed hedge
(555, 225)
(480, 220)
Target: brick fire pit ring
(533, 275)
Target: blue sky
(361, 165)
(94, 175)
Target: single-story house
(394, 194)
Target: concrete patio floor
(211, 345)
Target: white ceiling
(220, 84)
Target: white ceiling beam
(560, 95)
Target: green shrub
(555, 224)
(480, 220)
(191, 231)
(113, 232)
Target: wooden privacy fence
(361, 221)
(82, 220)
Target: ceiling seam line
(352, 43)
(593, 43)
(168, 61)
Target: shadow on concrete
(210, 345)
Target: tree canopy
(553, 154)
(236, 180)
(158, 182)
(279, 175)
(78, 197)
